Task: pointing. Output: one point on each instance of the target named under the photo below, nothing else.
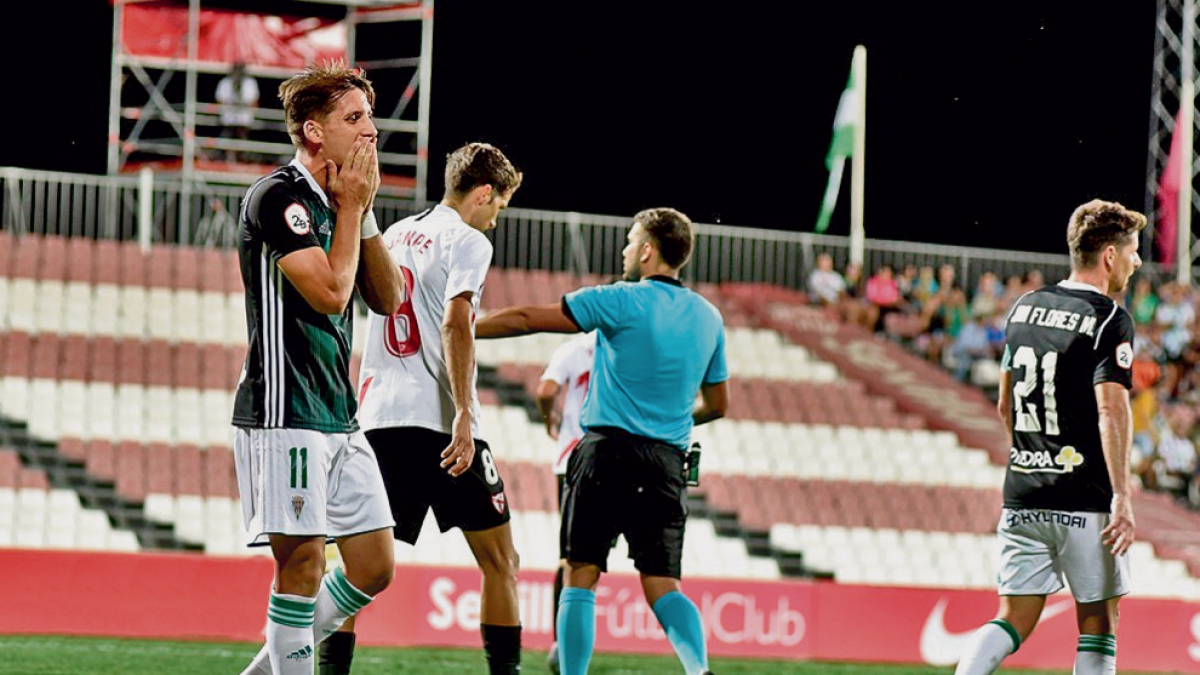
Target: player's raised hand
(457, 457)
(354, 185)
(1119, 533)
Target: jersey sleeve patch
(1125, 355)
(296, 217)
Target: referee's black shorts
(622, 484)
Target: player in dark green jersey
(305, 471)
(1064, 396)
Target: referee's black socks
(336, 653)
(502, 646)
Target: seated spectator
(970, 345)
(944, 319)
(854, 307)
(1014, 288)
(884, 295)
(986, 300)
(1175, 464)
(945, 280)
(926, 286)
(1143, 303)
(1144, 406)
(1174, 317)
(907, 283)
(1034, 280)
(825, 286)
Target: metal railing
(111, 207)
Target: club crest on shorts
(297, 505)
(500, 502)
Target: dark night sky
(987, 123)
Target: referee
(658, 344)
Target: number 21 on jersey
(401, 335)
(1026, 412)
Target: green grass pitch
(52, 655)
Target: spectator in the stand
(986, 300)
(907, 283)
(926, 286)
(1014, 288)
(946, 275)
(1034, 280)
(1174, 316)
(945, 323)
(970, 345)
(1175, 463)
(237, 93)
(1144, 406)
(854, 307)
(1144, 302)
(883, 295)
(825, 286)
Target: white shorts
(1040, 547)
(306, 483)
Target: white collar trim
(1079, 286)
(312, 182)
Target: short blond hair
(1097, 225)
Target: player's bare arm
(713, 404)
(1116, 435)
(547, 393)
(326, 281)
(514, 321)
(379, 279)
(1004, 404)
(459, 347)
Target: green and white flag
(841, 147)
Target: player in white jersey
(418, 404)
(570, 367)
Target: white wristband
(370, 227)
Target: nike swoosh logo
(941, 647)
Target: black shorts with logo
(409, 459)
(622, 484)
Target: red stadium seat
(107, 268)
(188, 470)
(131, 471)
(220, 478)
(10, 466)
(81, 260)
(53, 264)
(102, 460)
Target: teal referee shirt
(657, 342)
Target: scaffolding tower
(1173, 97)
(176, 137)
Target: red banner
(140, 595)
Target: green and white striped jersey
(297, 371)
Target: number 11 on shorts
(299, 458)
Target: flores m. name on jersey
(1061, 341)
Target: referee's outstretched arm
(523, 320)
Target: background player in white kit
(418, 404)
(1064, 395)
(570, 368)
